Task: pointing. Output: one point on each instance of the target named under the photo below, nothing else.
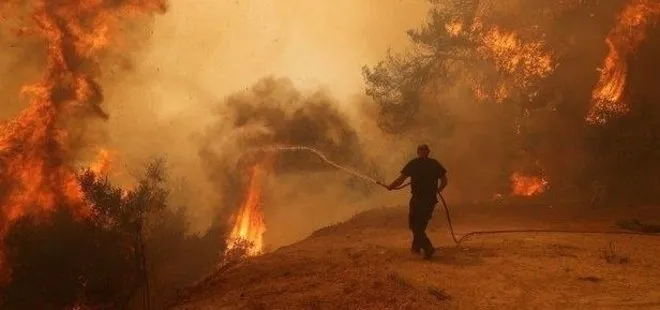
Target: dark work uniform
(424, 174)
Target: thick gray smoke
(274, 112)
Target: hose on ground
(471, 234)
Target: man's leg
(418, 223)
(425, 242)
(415, 246)
(418, 220)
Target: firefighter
(424, 173)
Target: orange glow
(622, 41)
(454, 28)
(103, 162)
(512, 54)
(36, 174)
(249, 223)
(522, 62)
(525, 185)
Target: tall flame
(622, 41)
(36, 174)
(249, 226)
(525, 185)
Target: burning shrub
(75, 260)
(105, 260)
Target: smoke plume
(273, 112)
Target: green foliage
(398, 82)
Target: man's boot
(428, 253)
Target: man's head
(423, 150)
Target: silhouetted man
(424, 173)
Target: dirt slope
(365, 264)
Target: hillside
(364, 263)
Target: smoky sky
(273, 112)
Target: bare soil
(365, 263)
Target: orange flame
(103, 162)
(523, 62)
(36, 174)
(513, 54)
(623, 40)
(249, 223)
(525, 185)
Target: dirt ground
(364, 263)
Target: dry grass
(439, 293)
(612, 256)
(365, 264)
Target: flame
(525, 185)
(622, 41)
(103, 162)
(249, 223)
(521, 62)
(36, 174)
(513, 55)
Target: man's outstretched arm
(397, 182)
(443, 183)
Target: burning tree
(133, 250)
(36, 154)
(96, 260)
(461, 44)
(623, 41)
(533, 65)
(44, 201)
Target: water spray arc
(322, 157)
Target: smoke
(163, 90)
(190, 86)
(225, 46)
(501, 87)
(301, 187)
(203, 51)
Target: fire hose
(468, 235)
(459, 240)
